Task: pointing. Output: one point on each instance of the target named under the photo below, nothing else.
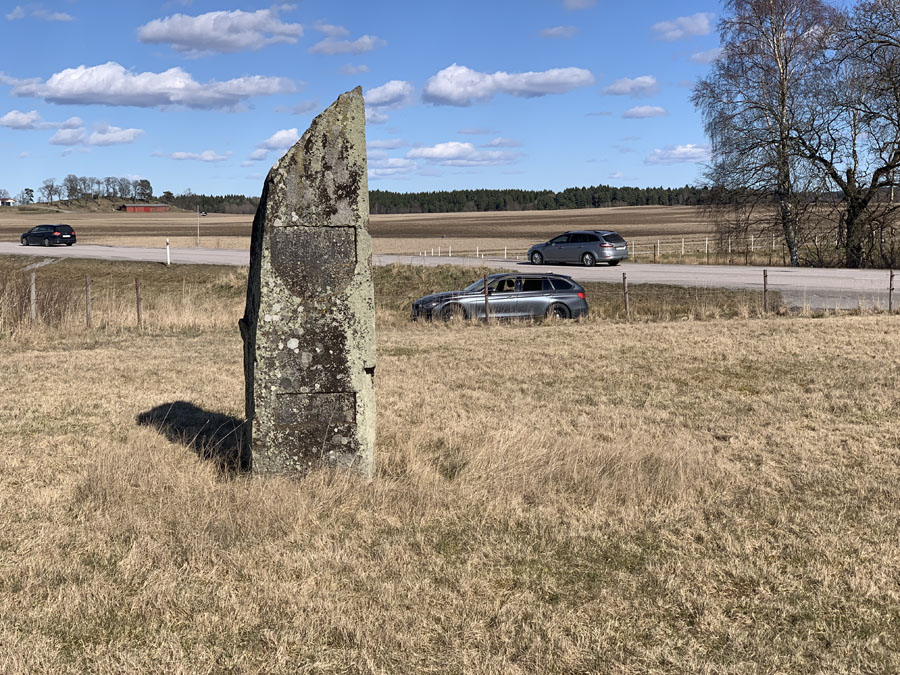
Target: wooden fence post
(707, 250)
(625, 292)
(891, 292)
(137, 290)
(87, 301)
(33, 292)
(765, 291)
(487, 310)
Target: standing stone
(309, 324)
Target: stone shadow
(213, 436)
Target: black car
(45, 235)
(514, 295)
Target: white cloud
(616, 175)
(645, 85)
(387, 144)
(221, 32)
(330, 45)
(280, 140)
(579, 4)
(559, 32)
(68, 137)
(16, 119)
(684, 26)
(205, 156)
(350, 69)
(300, 109)
(460, 86)
(331, 30)
(501, 142)
(258, 155)
(707, 57)
(679, 154)
(23, 155)
(391, 166)
(111, 84)
(393, 94)
(44, 15)
(37, 12)
(114, 136)
(643, 111)
(455, 153)
(375, 117)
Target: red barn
(144, 208)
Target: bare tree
(748, 103)
(124, 188)
(111, 184)
(48, 189)
(852, 129)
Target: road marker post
(765, 291)
(625, 293)
(168, 256)
(891, 293)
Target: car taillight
(581, 295)
(56, 234)
(607, 245)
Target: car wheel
(558, 311)
(613, 263)
(69, 243)
(536, 258)
(451, 312)
(46, 242)
(24, 241)
(588, 259)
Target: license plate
(66, 236)
(620, 248)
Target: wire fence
(27, 302)
(710, 250)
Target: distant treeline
(454, 201)
(598, 196)
(212, 203)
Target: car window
(562, 285)
(561, 239)
(590, 237)
(531, 285)
(506, 285)
(614, 238)
(577, 238)
(65, 229)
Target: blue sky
(498, 93)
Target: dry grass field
(406, 234)
(600, 496)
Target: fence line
(630, 296)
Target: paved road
(814, 288)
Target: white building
(7, 202)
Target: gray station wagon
(587, 247)
(514, 295)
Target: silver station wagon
(587, 247)
(510, 296)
